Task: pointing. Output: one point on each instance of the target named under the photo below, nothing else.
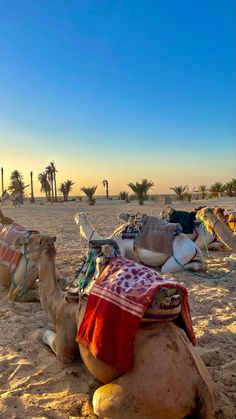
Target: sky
(119, 90)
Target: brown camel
(21, 279)
(168, 380)
(216, 222)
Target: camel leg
(215, 246)
(16, 294)
(63, 342)
(48, 339)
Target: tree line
(140, 190)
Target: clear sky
(118, 90)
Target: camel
(183, 253)
(21, 283)
(14, 198)
(203, 238)
(216, 222)
(168, 378)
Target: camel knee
(107, 401)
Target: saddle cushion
(157, 235)
(165, 305)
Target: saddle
(165, 305)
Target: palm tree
(50, 175)
(202, 189)
(216, 189)
(65, 188)
(179, 191)
(17, 185)
(54, 171)
(45, 185)
(32, 200)
(141, 188)
(230, 187)
(105, 184)
(89, 192)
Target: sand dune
(33, 384)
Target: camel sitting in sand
(195, 230)
(17, 273)
(168, 378)
(15, 198)
(215, 222)
(181, 257)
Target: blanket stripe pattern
(10, 257)
(116, 304)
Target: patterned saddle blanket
(9, 256)
(124, 294)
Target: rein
(26, 252)
(203, 276)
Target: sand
(33, 384)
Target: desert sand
(33, 384)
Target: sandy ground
(33, 384)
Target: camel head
(208, 216)
(36, 245)
(81, 217)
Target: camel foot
(48, 338)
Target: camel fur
(22, 285)
(184, 250)
(216, 222)
(168, 380)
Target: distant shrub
(154, 197)
(123, 196)
(187, 196)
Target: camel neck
(225, 235)
(50, 294)
(89, 232)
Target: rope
(204, 237)
(77, 273)
(21, 291)
(203, 276)
(90, 269)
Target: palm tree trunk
(52, 186)
(55, 186)
(2, 180)
(32, 200)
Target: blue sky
(119, 89)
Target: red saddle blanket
(116, 304)
(8, 256)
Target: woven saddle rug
(157, 235)
(116, 304)
(10, 257)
